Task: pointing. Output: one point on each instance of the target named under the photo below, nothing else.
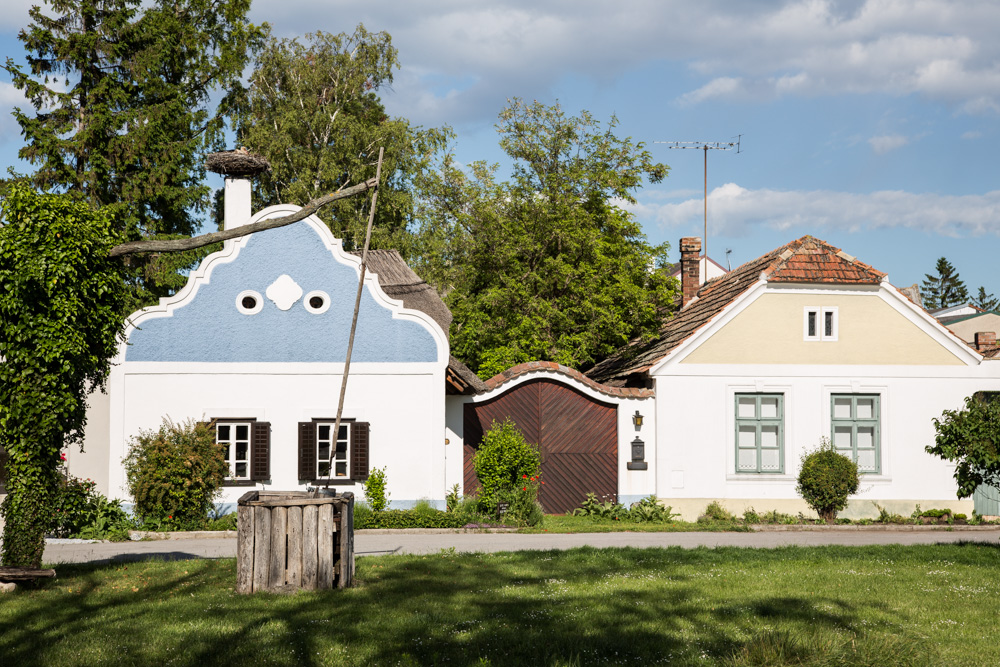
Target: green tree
(944, 289)
(970, 439)
(122, 111)
(549, 265)
(984, 300)
(502, 463)
(62, 314)
(313, 111)
(826, 479)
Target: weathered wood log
(346, 555)
(25, 574)
(324, 542)
(180, 245)
(279, 546)
(293, 576)
(261, 548)
(244, 549)
(310, 551)
(290, 502)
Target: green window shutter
(760, 433)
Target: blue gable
(210, 327)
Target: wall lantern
(638, 461)
(637, 420)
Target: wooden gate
(577, 436)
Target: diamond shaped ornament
(284, 292)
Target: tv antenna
(705, 146)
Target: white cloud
(887, 142)
(972, 134)
(734, 210)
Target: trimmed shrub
(375, 493)
(503, 461)
(413, 518)
(174, 474)
(826, 479)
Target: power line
(705, 146)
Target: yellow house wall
(871, 332)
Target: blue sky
(872, 124)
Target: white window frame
(231, 443)
(330, 460)
(821, 315)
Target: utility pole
(704, 146)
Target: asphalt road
(368, 543)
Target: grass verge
(915, 605)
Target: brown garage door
(577, 436)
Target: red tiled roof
(805, 260)
(552, 367)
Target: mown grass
(892, 605)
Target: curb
(138, 535)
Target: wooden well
(291, 540)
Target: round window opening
(317, 302)
(249, 302)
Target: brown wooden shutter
(260, 451)
(359, 451)
(307, 451)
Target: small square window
(820, 324)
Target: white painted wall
(696, 418)
(405, 413)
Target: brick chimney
(985, 340)
(690, 270)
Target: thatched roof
(398, 280)
(239, 162)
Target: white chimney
(237, 202)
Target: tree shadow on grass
(585, 606)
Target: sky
(871, 124)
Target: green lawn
(933, 605)
(567, 523)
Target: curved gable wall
(206, 326)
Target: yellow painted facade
(871, 332)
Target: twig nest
(239, 162)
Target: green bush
(826, 479)
(649, 510)
(597, 508)
(375, 493)
(80, 511)
(452, 499)
(412, 518)
(174, 474)
(714, 512)
(503, 461)
(520, 506)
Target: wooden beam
(25, 574)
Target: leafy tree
(970, 439)
(62, 314)
(313, 111)
(984, 300)
(944, 289)
(549, 265)
(122, 110)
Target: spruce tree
(944, 289)
(984, 300)
(122, 113)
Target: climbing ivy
(63, 304)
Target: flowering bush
(520, 507)
(503, 462)
(174, 474)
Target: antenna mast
(705, 146)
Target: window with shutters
(247, 448)
(328, 457)
(854, 429)
(760, 433)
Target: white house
(256, 341)
(801, 344)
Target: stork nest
(239, 162)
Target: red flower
(524, 477)
(524, 489)
(62, 456)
